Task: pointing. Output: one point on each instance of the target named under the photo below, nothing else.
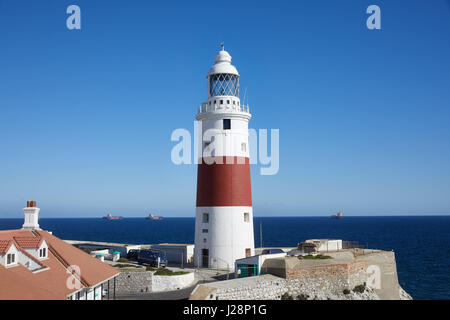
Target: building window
(205, 217)
(221, 101)
(204, 230)
(226, 124)
(244, 146)
(210, 103)
(246, 217)
(234, 102)
(10, 258)
(228, 101)
(204, 240)
(42, 253)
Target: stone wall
(133, 282)
(269, 287)
(314, 279)
(144, 281)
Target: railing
(205, 107)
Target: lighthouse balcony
(216, 107)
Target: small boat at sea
(337, 216)
(152, 217)
(110, 217)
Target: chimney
(31, 216)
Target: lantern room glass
(224, 84)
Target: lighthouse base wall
(223, 235)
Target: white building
(251, 266)
(224, 214)
(35, 265)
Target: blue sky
(86, 115)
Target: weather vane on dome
(223, 47)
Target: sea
(421, 243)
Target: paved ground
(182, 294)
(201, 276)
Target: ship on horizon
(152, 217)
(337, 216)
(110, 217)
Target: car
(272, 251)
(153, 258)
(133, 254)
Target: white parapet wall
(170, 283)
(324, 245)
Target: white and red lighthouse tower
(224, 214)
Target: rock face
(269, 287)
(348, 276)
(404, 295)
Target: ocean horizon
(421, 243)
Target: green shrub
(316, 257)
(286, 296)
(360, 288)
(123, 260)
(123, 265)
(148, 268)
(168, 272)
(302, 296)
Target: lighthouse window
(224, 85)
(204, 230)
(228, 101)
(226, 124)
(205, 218)
(246, 217)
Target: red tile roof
(18, 282)
(29, 242)
(4, 246)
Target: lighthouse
(224, 214)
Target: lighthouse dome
(223, 64)
(223, 56)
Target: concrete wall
(382, 274)
(169, 283)
(317, 279)
(145, 281)
(177, 253)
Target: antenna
(260, 234)
(245, 94)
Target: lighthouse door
(205, 258)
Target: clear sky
(86, 115)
